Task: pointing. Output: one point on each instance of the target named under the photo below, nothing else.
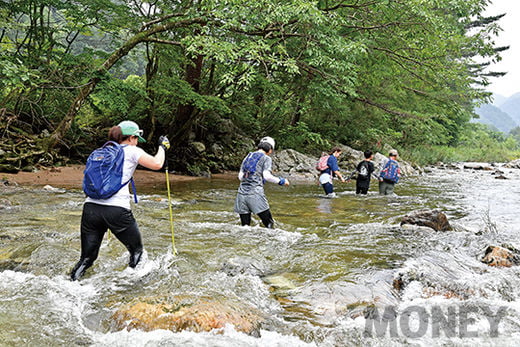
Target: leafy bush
(477, 143)
(302, 139)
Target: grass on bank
(477, 143)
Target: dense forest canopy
(215, 75)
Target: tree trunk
(151, 70)
(85, 91)
(298, 112)
(186, 114)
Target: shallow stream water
(319, 278)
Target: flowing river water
(323, 277)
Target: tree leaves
(404, 72)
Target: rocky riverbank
(290, 163)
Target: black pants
(362, 186)
(265, 216)
(95, 221)
(361, 190)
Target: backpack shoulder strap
(133, 190)
(113, 143)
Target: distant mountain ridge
(498, 99)
(503, 114)
(511, 106)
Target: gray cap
(393, 153)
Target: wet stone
(237, 266)
(4, 204)
(500, 257)
(434, 219)
(199, 316)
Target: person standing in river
(254, 171)
(364, 171)
(114, 212)
(389, 173)
(331, 171)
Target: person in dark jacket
(364, 171)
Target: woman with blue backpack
(389, 173)
(108, 172)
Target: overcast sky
(510, 36)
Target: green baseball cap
(131, 128)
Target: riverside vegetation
(217, 75)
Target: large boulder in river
(203, 315)
(500, 257)
(434, 219)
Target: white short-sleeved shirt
(123, 196)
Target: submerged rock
(500, 257)
(5, 204)
(242, 266)
(204, 315)
(434, 219)
(281, 282)
(430, 285)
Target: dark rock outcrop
(434, 219)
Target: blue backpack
(104, 172)
(391, 171)
(250, 163)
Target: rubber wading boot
(80, 268)
(135, 258)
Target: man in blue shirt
(331, 171)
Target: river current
(325, 276)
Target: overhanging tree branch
(386, 108)
(85, 91)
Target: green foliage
(478, 142)
(515, 134)
(116, 100)
(385, 72)
(300, 138)
(14, 76)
